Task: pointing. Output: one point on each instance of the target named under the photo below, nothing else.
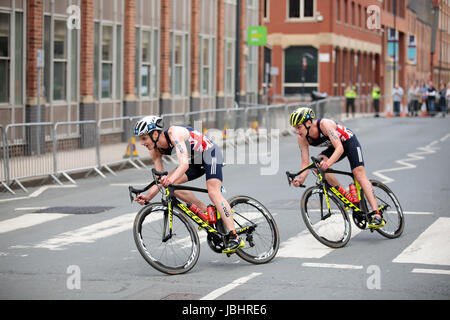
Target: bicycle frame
(326, 186)
(172, 201)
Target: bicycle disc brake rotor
(359, 220)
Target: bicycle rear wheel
(391, 210)
(176, 254)
(331, 227)
(256, 226)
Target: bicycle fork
(168, 219)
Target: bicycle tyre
(383, 193)
(149, 242)
(308, 209)
(261, 244)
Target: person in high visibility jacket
(376, 95)
(350, 95)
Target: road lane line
(236, 283)
(431, 271)
(90, 233)
(431, 247)
(413, 156)
(28, 220)
(37, 193)
(418, 212)
(30, 208)
(304, 245)
(331, 265)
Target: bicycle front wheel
(172, 254)
(331, 226)
(256, 226)
(391, 210)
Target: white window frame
(9, 58)
(301, 16)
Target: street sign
(257, 36)
(40, 58)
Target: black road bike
(166, 236)
(324, 208)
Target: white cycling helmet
(147, 125)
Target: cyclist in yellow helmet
(340, 142)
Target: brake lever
(291, 177)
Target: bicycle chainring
(215, 244)
(359, 220)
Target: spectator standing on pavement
(413, 99)
(350, 95)
(397, 96)
(376, 95)
(443, 99)
(431, 98)
(423, 91)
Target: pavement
(49, 250)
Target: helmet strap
(307, 129)
(155, 141)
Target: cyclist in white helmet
(205, 158)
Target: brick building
(363, 41)
(127, 57)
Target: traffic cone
(131, 148)
(224, 134)
(255, 126)
(388, 109)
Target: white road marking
(418, 212)
(304, 245)
(28, 220)
(414, 156)
(37, 193)
(431, 271)
(91, 233)
(218, 292)
(331, 265)
(30, 208)
(431, 247)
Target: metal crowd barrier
(55, 150)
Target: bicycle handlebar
(315, 164)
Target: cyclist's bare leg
(188, 196)
(215, 194)
(361, 177)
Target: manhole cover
(74, 210)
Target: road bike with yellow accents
(324, 208)
(166, 236)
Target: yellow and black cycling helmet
(301, 115)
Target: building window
(206, 46)
(147, 48)
(146, 63)
(107, 61)
(19, 59)
(266, 9)
(179, 62)
(338, 10)
(59, 60)
(4, 57)
(178, 65)
(301, 9)
(229, 63)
